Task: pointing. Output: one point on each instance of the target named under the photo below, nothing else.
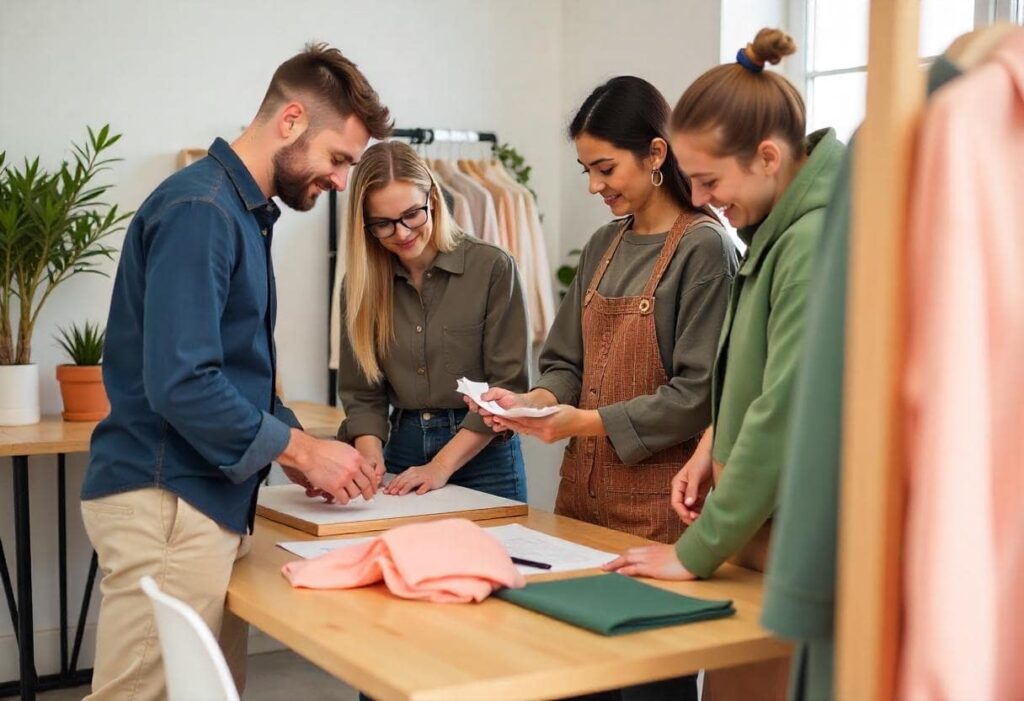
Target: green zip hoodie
(758, 354)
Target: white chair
(193, 662)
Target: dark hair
(322, 75)
(743, 107)
(629, 113)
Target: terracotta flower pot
(81, 388)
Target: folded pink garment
(447, 561)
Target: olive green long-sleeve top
(690, 303)
(469, 320)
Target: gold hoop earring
(657, 177)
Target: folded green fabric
(613, 604)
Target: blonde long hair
(369, 277)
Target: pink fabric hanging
(446, 561)
(964, 390)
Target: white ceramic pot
(19, 395)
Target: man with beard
(189, 365)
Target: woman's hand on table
(423, 479)
(657, 561)
(372, 450)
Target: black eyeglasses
(382, 229)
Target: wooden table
(396, 649)
(52, 436)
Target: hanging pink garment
(964, 391)
(447, 561)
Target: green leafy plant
(83, 344)
(566, 272)
(52, 226)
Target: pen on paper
(531, 563)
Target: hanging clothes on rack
(481, 206)
(963, 390)
(964, 553)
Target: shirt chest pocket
(462, 348)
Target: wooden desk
(396, 649)
(52, 436)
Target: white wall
(666, 43)
(171, 75)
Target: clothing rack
(416, 136)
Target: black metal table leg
(29, 683)
(62, 564)
(23, 550)
(5, 575)
(84, 611)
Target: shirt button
(430, 274)
(419, 329)
(263, 232)
(421, 371)
(427, 416)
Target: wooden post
(873, 489)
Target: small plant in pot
(81, 383)
(52, 227)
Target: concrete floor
(272, 676)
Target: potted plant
(52, 226)
(81, 383)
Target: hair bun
(771, 45)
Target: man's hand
(300, 479)
(330, 466)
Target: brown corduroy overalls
(621, 361)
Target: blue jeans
(418, 436)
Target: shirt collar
(252, 196)
(453, 262)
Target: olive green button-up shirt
(469, 320)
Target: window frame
(800, 12)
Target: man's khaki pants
(154, 532)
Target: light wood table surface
(50, 436)
(396, 649)
(53, 435)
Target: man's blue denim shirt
(189, 356)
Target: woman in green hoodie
(739, 134)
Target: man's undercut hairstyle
(328, 85)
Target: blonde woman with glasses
(422, 305)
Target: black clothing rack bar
(415, 136)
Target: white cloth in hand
(475, 390)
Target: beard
(292, 176)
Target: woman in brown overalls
(630, 354)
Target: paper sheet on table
(474, 390)
(523, 542)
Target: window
(835, 34)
